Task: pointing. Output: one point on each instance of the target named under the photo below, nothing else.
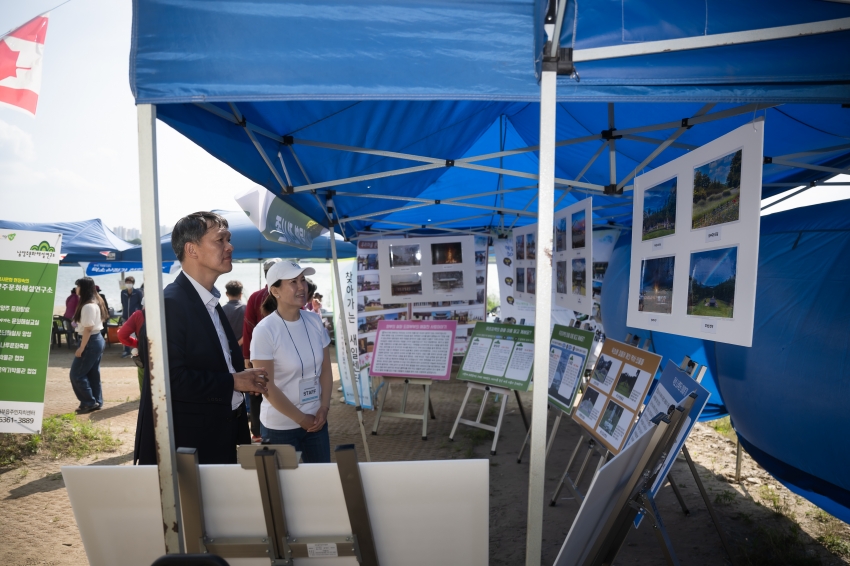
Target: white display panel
(525, 263)
(572, 257)
(434, 512)
(693, 272)
(428, 269)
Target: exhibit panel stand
(427, 409)
(591, 446)
(487, 389)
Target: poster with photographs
(525, 263)
(348, 315)
(615, 392)
(465, 312)
(428, 269)
(695, 241)
(573, 257)
(569, 349)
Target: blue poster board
(672, 388)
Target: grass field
(722, 310)
(623, 389)
(657, 234)
(728, 215)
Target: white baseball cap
(285, 270)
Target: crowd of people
(272, 351)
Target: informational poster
(696, 238)
(348, 316)
(500, 355)
(615, 392)
(428, 269)
(673, 388)
(414, 349)
(512, 309)
(569, 350)
(573, 257)
(29, 263)
(465, 312)
(525, 263)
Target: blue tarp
(249, 243)
(85, 240)
(447, 79)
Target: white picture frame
(708, 289)
(572, 257)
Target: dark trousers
(215, 437)
(315, 447)
(256, 401)
(85, 373)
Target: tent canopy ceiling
(84, 240)
(249, 243)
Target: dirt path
(759, 516)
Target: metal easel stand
(487, 389)
(549, 442)
(407, 381)
(278, 546)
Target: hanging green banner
(279, 221)
(500, 355)
(29, 263)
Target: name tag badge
(309, 390)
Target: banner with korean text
(29, 263)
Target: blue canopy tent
(424, 116)
(85, 240)
(249, 243)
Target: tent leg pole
(542, 318)
(155, 323)
(345, 348)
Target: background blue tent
(85, 240)
(249, 243)
(332, 90)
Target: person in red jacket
(253, 315)
(125, 336)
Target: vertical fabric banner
(29, 263)
(348, 315)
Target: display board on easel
(695, 244)
(615, 392)
(569, 349)
(501, 355)
(420, 349)
(573, 257)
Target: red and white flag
(21, 53)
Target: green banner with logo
(500, 355)
(29, 263)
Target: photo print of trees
(717, 191)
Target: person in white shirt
(291, 344)
(85, 369)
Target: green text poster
(29, 262)
(500, 355)
(568, 352)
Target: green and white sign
(279, 221)
(29, 262)
(568, 352)
(500, 355)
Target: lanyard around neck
(309, 341)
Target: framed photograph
(561, 235)
(656, 285)
(447, 281)
(520, 280)
(406, 284)
(446, 253)
(579, 279)
(403, 255)
(717, 191)
(531, 280)
(530, 246)
(711, 287)
(579, 229)
(519, 247)
(368, 283)
(561, 277)
(659, 210)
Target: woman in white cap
(292, 346)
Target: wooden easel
(407, 381)
(487, 389)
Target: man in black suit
(207, 370)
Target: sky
(78, 158)
(714, 266)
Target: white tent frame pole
(795, 193)
(801, 165)
(713, 40)
(341, 320)
(542, 319)
(371, 234)
(814, 151)
(819, 184)
(644, 139)
(160, 378)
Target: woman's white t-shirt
(297, 349)
(90, 316)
